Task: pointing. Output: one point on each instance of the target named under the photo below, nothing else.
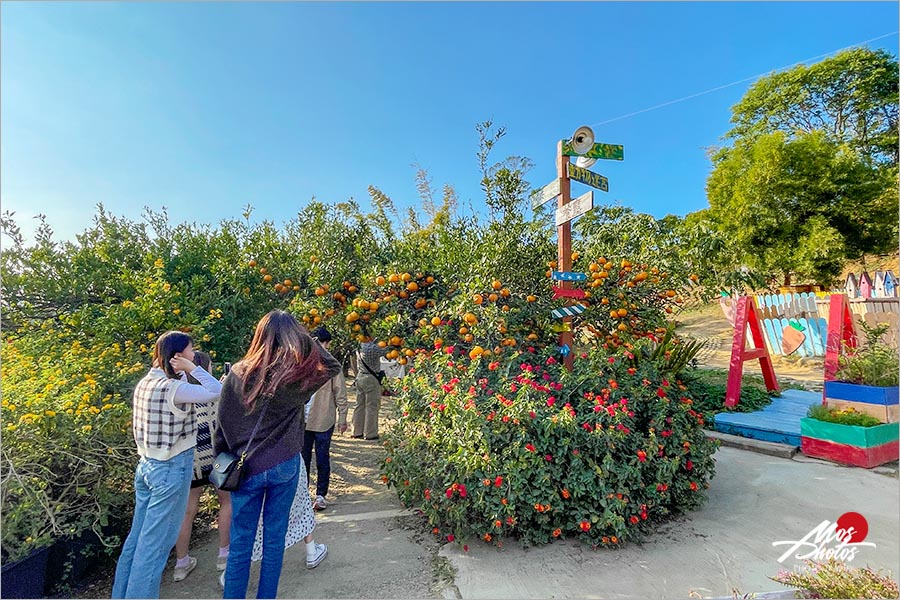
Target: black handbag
(227, 471)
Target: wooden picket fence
(810, 311)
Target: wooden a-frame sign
(841, 330)
(746, 315)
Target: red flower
(465, 547)
(532, 414)
(551, 361)
(662, 487)
(529, 447)
(548, 458)
(585, 526)
(661, 393)
(688, 465)
(666, 432)
(551, 401)
(449, 492)
(505, 418)
(493, 366)
(557, 532)
(462, 491)
(611, 360)
(566, 494)
(428, 494)
(632, 370)
(642, 456)
(633, 519)
(588, 427)
(498, 482)
(450, 537)
(693, 486)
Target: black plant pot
(72, 559)
(25, 578)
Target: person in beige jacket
(329, 399)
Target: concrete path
(754, 500)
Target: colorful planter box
(883, 403)
(850, 444)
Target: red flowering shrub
(603, 452)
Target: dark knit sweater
(280, 434)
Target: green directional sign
(596, 180)
(602, 151)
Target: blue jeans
(272, 493)
(322, 442)
(161, 490)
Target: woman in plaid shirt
(165, 431)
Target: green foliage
(874, 363)
(834, 579)
(517, 447)
(809, 179)
(844, 416)
(802, 206)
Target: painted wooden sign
(589, 177)
(562, 293)
(602, 151)
(545, 194)
(568, 311)
(568, 276)
(792, 338)
(575, 208)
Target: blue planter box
(855, 392)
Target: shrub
(514, 445)
(834, 579)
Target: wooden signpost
(566, 210)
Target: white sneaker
(321, 553)
(320, 503)
(221, 563)
(182, 572)
(222, 580)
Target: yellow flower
(176, 311)
(159, 263)
(50, 413)
(12, 407)
(94, 410)
(86, 428)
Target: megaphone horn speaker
(583, 139)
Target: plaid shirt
(161, 429)
(370, 353)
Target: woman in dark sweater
(270, 386)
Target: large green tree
(809, 178)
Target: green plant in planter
(876, 363)
(846, 416)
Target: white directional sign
(547, 193)
(575, 208)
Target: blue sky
(206, 107)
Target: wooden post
(564, 245)
(841, 330)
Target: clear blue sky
(205, 107)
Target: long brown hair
(282, 352)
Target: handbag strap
(253, 434)
(366, 367)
